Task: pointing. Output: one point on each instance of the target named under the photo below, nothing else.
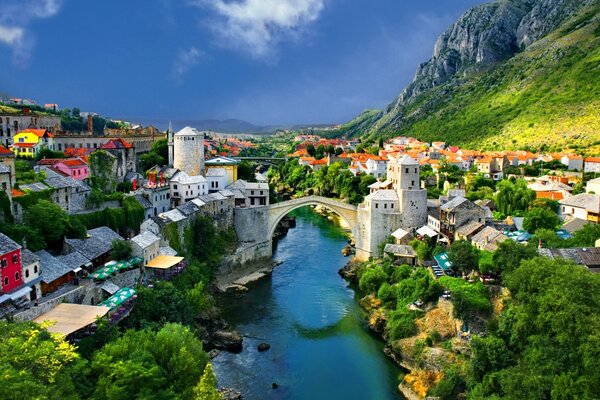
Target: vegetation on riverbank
(538, 328)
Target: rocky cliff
(486, 38)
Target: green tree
(207, 387)
(246, 171)
(372, 278)
(509, 255)
(49, 219)
(463, 256)
(121, 249)
(513, 198)
(310, 149)
(34, 363)
(158, 305)
(540, 218)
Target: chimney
(90, 124)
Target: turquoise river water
(320, 345)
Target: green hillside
(547, 96)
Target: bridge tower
(404, 174)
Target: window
(15, 258)
(3, 263)
(16, 276)
(392, 205)
(35, 269)
(406, 169)
(376, 205)
(412, 183)
(385, 205)
(416, 171)
(6, 281)
(27, 273)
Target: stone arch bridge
(346, 211)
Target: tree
(49, 219)
(587, 236)
(246, 171)
(207, 387)
(121, 249)
(463, 256)
(310, 149)
(540, 218)
(513, 198)
(372, 278)
(509, 255)
(34, 363)
(163, 303)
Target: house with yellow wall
(29, 142)
(228, 164)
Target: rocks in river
(227, 340)
(349, 271)
(264, 347)
(274, 385)
(213, 353)
(347, 251)
(230, 394)
(284, 225)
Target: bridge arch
(346, 211)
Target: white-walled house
(185, 188)
(145, 245)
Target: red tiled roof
(74, 162)
(116, 144)
(5, 152)
(592, 159)
(550, 195)
(49, 161)
(38, 132)
(24, 144)
(322, 161)
(17, 192)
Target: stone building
(188, 155)
(145, 245)
(11, 124)
(458, 212)
(125, 157)
(404, 174)
(185, 187)
(249, 194)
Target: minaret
(170, 144)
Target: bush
(121, 249)
(467, 298)
(372, 278)
(401, 324)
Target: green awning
(118, 298)
(106, 271)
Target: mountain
(511, 73)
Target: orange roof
(307, 159)
(5, 152)
(73, 162)
(322, 161)
(24, 144)
(17, 192)
(592, 159)
(37, 132)
(116, 144)
(549, 195)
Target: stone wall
(245, 254)
(373, 229)
(251, 224)
(413, 205)
(126, 279)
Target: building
(587, 257)
(54, 273)
(75, 168)
(6, 182)
(87, 142)
(146, 245)
(573, 162)
(458, 212)
(29, 142)
(188, 145)
(593, 186)
(10, 124)
(249, 194)
(7, 158)
(492, 166)
(31, 269)
(96, 247)
(584, 206)
(10, 264)
(401, 254)
(125, 157)
(404, 174)
(228, 164)
(217, 179)
(488, 239)
(591, 164)
(185, 187)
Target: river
(320, 345)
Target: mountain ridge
(503, 55)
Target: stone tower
(170, 144)
(404, 174)
(188, 151)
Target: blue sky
(263, 61)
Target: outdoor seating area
(68, 318)
(443, 267)
(112, 267)
(166, 267)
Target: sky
(268, 62)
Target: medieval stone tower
(170, 144)
(188, 155)
(404, 175)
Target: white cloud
(257, 26)
(186, 60)
(15, 18)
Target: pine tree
(207, 387)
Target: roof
(73, 162)
(400, 233)
(4, 152)
(28, 257)
(457, 202)
(4, 169)
(221, 161)
(7, 244)
(144, 202)
(37, 132)
(216, 172)
(51, 267)
(74, 260)
(587, 201)
(117, 143)
(400, 250)
(426, 231)
(574, 225)
(98, 242)
(189, 131)
(173, 215)
(188, 208)
(383, 195)
(185, 179)
(24, 144)
(164, 262)
(407, 160)
(469, 228)
(242, 184)
(69, 318)
(487, 236)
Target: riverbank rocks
(349, 271)
(227, 340)
(264, 347)
(347, 251)
(213, 353)
(230, 394)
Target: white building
(188, 155)
(217, 179)
(145, 245)
(573, 162)
(30, 265)
(383, 200)
(593, 186)
(583, 206)
(249, 194)
(185, 187)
